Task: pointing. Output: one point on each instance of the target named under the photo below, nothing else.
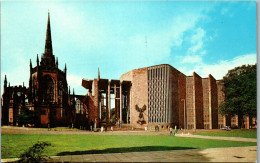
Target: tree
(240, 93)
(26, 117)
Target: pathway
(220, 138)
(230, 154)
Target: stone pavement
(230, 154)
(219, 137)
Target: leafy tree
(240, 92)
(26, 117)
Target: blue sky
(208, 37)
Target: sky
(206, 37)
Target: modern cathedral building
(158, 95)
(147, 97)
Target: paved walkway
(220, 138)
(231, 154)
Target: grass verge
(15, 144)
(252, 133)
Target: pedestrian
(95, 125)
(175, 131)
(92, 125)
(49, 127)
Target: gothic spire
(37, 60)
(65, 69)
(57, 62)
(5, 82)
(30, 63)
(48, 43)
(98, 74)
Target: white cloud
(195, 52)
(221, 68)
(150, 48)
(192, 59)
(197, 41)
(75, 82)
(224, 11)
(80, 30)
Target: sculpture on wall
(141, 114)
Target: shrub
(35, 153)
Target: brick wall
(234, 121)
(198, 96)
(213, 101)
(45, 112)
(174, 109)
(127, 76)
(11, 117)
(93, 104)
(189, 103)
(206, 115)
(182, 95)
(139, 95)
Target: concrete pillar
(109, 101)
(127, 106)
(121, 99)
(107, 117)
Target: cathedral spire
(98, 74)
(30, 63)
(37, 60)
(48, 43)
(5, 82)
(65, 69)
(57, 62)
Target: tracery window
(48, 89)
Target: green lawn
(234, 133)
(14, 144)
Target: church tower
(48, 88)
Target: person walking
(175, 131)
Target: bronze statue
(141, 116)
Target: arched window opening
(48, 89)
